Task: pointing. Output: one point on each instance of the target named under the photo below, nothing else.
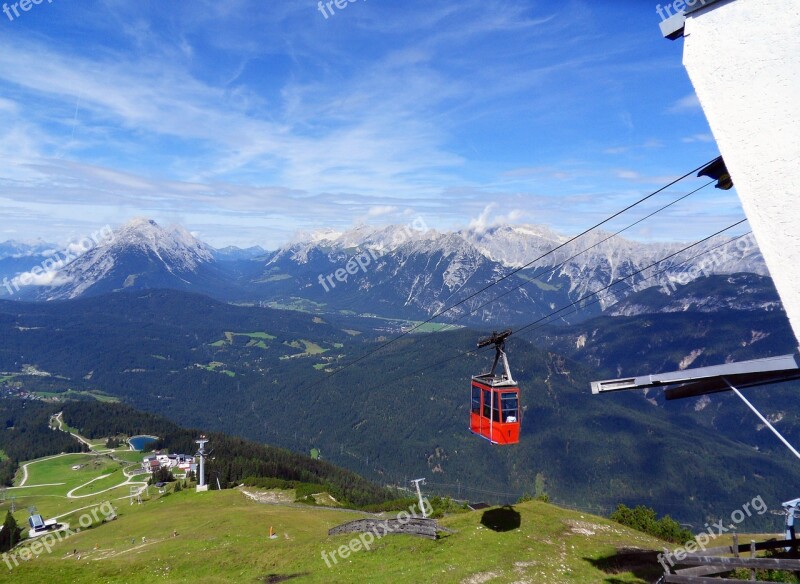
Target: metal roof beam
(710, 379)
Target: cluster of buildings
(179, 462)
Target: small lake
(139, 443)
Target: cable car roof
(495, 380)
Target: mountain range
(397, 271)
(156, 318)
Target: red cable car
(495, 413)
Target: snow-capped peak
(175, 245)
(139, 249)
(386, 239)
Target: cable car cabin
(494, 408)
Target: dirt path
(277, 498)
(127, 481)
(76, 510)
(129, 476)
(59, 417)
(25, 470)
(104, 555)
(36, 486)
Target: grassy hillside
(223, 537)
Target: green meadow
(224, 536)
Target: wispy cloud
(635, 176)
(646, 145)
(489, 218)
(688, 103)
(245, 119)
(704, 138)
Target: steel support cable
(514, 271)
(557, 266)
(572, 304)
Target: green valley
(407, 418)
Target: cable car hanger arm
(499, 342)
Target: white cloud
(8, 106)
(382, 210)
(247, 122)
(486, 221)
(698, 138)
(482, 222)
(40, 278)
(646, 145)
(689, 103)
(628, 174)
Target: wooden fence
(379, 527)
(720, 560)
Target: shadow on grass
(641, 563)
(275, 578)
(501, 519)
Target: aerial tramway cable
(514, 271)
(596, 293)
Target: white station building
(743, 58)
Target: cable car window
(491, 405)
(476, 400)
(510, 407)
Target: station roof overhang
(673, 27)
(713, 379)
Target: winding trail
(128, 481)
(127, 473)
(59, 417)
(25, 471)
(36, 486)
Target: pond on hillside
(139, 443)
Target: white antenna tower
(417, 483)
(201, 468)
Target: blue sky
(250, 121)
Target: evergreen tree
(10, 534)
(162, 475)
